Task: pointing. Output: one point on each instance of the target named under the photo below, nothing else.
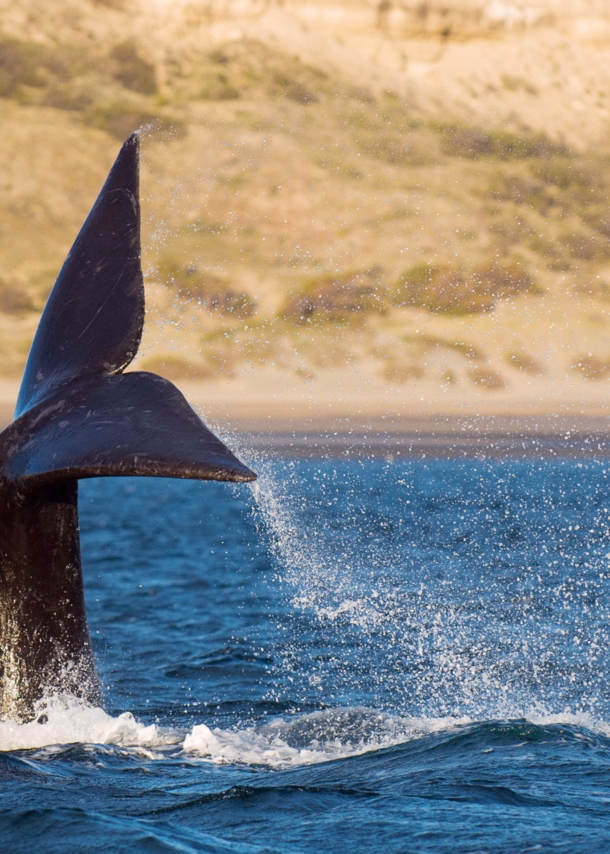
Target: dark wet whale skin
(78, 416)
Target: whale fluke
(79, 416)
(126, 424)
(92, 322)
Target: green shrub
(220, 57)
(300, 94)
(393, 149)
(14, 300)
(361, 94)
(468, 351)
(67, 96)
(511, 227)
(29, 65)
(414, 283)
(586, 247)
(547, 248)
(217, 87)
(424, 341)
(585, 185)
(524, 362)
(446, 290)
(120, 5)
(133, 71)
(299, 91)
(521, 190)
(591, 367)
(487, 379)
(209, 291)
(514, 83)
(598, 220)
(473, 143)
(21, 64)
(504, 280)
(332, 298)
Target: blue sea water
(352, 655)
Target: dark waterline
(355, 655)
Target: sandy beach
(276, 420)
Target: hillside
(327, 229)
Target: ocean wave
(299, 740)
(309, 739)
(48, 830)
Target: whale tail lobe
(78, 415)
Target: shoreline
(449, 439)
(394, 448)
(292, 426)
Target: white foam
(282, 742)
(313, 738)
(225, 747)
(65, 720)
(582, 720)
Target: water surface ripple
(350, 655)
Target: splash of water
(452, 630)
(425, 606)
(63, 719)
(301, 740)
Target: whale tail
(78, 415)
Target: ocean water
(352, 655)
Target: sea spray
(383, 580)
(63, 719)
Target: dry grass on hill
(296, 220)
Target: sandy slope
(253, 166)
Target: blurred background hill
(349, 207)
